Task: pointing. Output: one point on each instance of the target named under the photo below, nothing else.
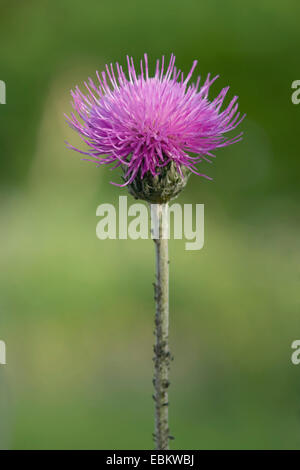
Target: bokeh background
(77, 313)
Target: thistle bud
(160, 188)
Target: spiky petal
(146, 122)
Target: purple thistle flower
(143, 123)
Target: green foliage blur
(77, 313)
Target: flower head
(144, 123)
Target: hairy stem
(161, 347)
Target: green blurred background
(76, 313)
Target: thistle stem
(161, 347)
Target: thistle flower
(144, 123)
(157, 129)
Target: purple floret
(143, 122)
